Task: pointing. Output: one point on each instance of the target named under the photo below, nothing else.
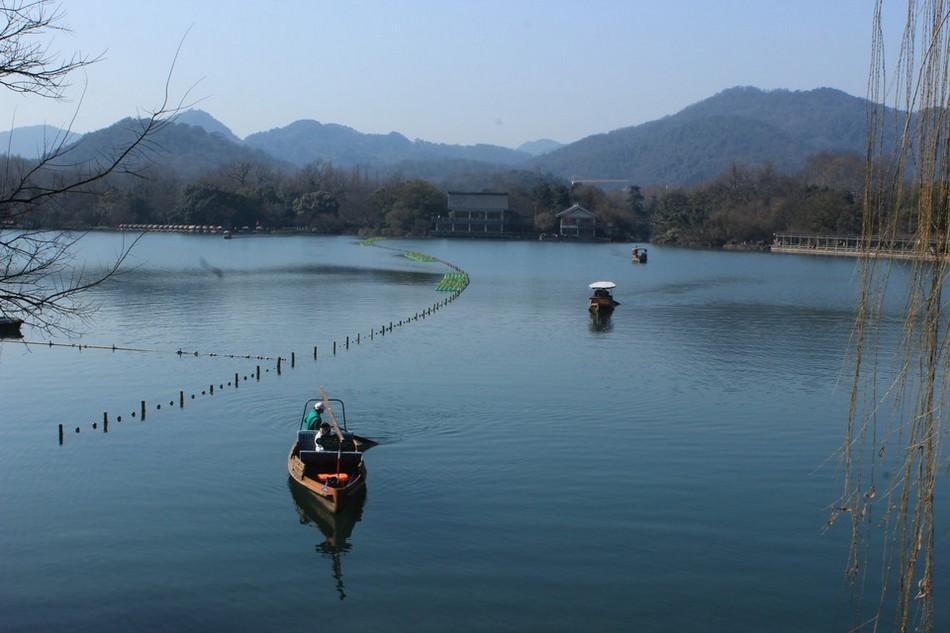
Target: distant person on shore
(314, 419)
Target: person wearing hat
(314, 417)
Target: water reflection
(336, 528)
(600, 322)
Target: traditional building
(475, 215)
(578, 223)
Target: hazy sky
(451, 71)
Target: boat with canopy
(601, 301)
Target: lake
(671, 470)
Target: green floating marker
(452, 282)
(418, 257)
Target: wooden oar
(363, 443)
(326, 405)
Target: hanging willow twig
(899, 429)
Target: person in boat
(326, 439)
(314, 419)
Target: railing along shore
(849, 246)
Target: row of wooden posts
(143, 405)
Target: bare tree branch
(26, 63)
(38, 280)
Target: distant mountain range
(743, 125)
(33, 140)
(185, 149)
(305, 141)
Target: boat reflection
(600, 322)
(336, 528)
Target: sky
(449, 71)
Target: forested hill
(305, 141)
(200, 118)
(187, 150)
(741, 125)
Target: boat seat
(307, 440)
(325, 461)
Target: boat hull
(601, 305)
(332, 498)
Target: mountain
(185, 149)
(200, 118)
(540, 146)
(743, 125)
(305, 141)
(32, 140)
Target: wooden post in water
(314, 352)
(372, 332)
(347, 342)
(357, 338)
(334, 348)
(390, 326)
(181, 399)
(258, 373)
(143, 410)
(212, 390)
(382, 330)
(236, 376)
(60, 434)
(105, 422)
(293, 359)
(278, 365)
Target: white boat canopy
(603, 285)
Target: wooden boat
(227, 235)
(639, 255)
(10, 327)
(602, 302)
(333, 477)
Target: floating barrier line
(454, 282)
(118, 348)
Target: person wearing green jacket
(313, 419)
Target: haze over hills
(540, 146)
(740, 125)
(305, 141)
(32, 140)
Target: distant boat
(334, 476)
(602, 302)
(227, 235)
(10, 327)
(639, 255)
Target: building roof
(472, 201)
(574, 211)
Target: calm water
(668, 472)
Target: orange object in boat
(327, 476)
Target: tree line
(743, 206)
